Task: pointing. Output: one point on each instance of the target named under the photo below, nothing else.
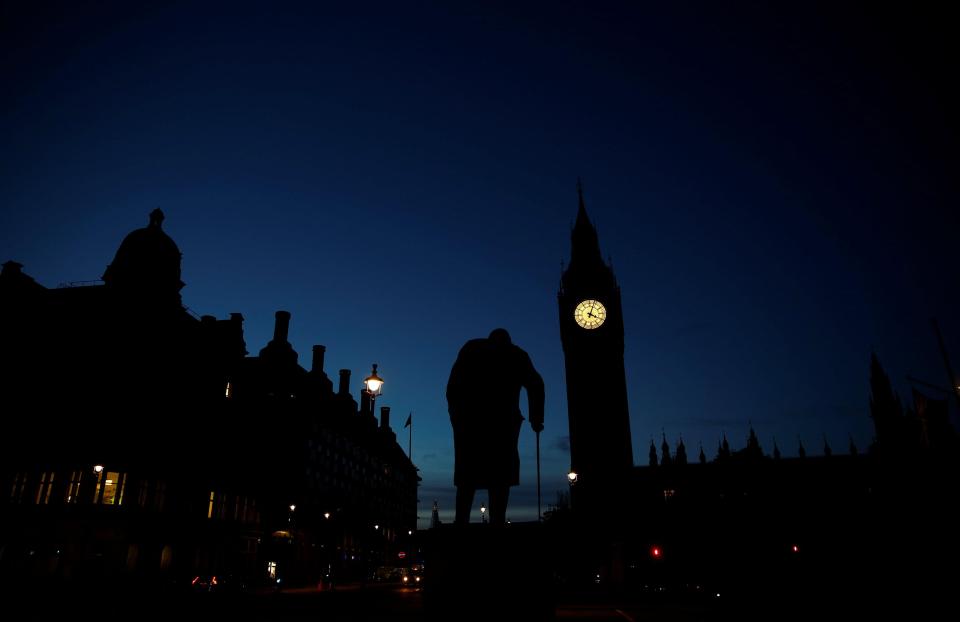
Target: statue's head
(500, 337)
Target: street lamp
(483, 513)
(572, 478)
(374, 387)
(292, 509)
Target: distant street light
(98, 469)
(571, 478)
(374, 386)
(326, 515)
(483, 513)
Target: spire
(723, 448)
(653, 453)
(681, 452)
(582, 211)
(776, 450)
(753, 444)
(585, 245)
(703, 456)
(665, 451)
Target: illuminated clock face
(590, 314)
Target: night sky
(776, 187)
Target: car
(412, 576)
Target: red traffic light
(656, 552)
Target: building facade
(142, 443)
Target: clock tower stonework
(591, 330)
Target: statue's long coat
(483, 397)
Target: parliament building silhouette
(866, 528)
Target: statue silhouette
(483, 397)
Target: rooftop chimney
(344, 382)
(365, 403)
(385, 417)
(318, 352)
(281, 326)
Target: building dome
(148, 259)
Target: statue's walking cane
(539, 516)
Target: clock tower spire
(591, 330)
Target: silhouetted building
(838, 526)
(140, 440)
(591, 330)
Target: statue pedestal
(482, 572)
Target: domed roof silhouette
(147, 259)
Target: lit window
(272, 570)
(111, 488)
(43, 490)
(73, 488)
(213, 496)
(228, 392)
(19, 486)
(669, 493)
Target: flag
(409, 420)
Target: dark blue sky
(776, 188)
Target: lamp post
(572, 478)
(98, 469)
(483, 513)
(374, 386)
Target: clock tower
(591, 329)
